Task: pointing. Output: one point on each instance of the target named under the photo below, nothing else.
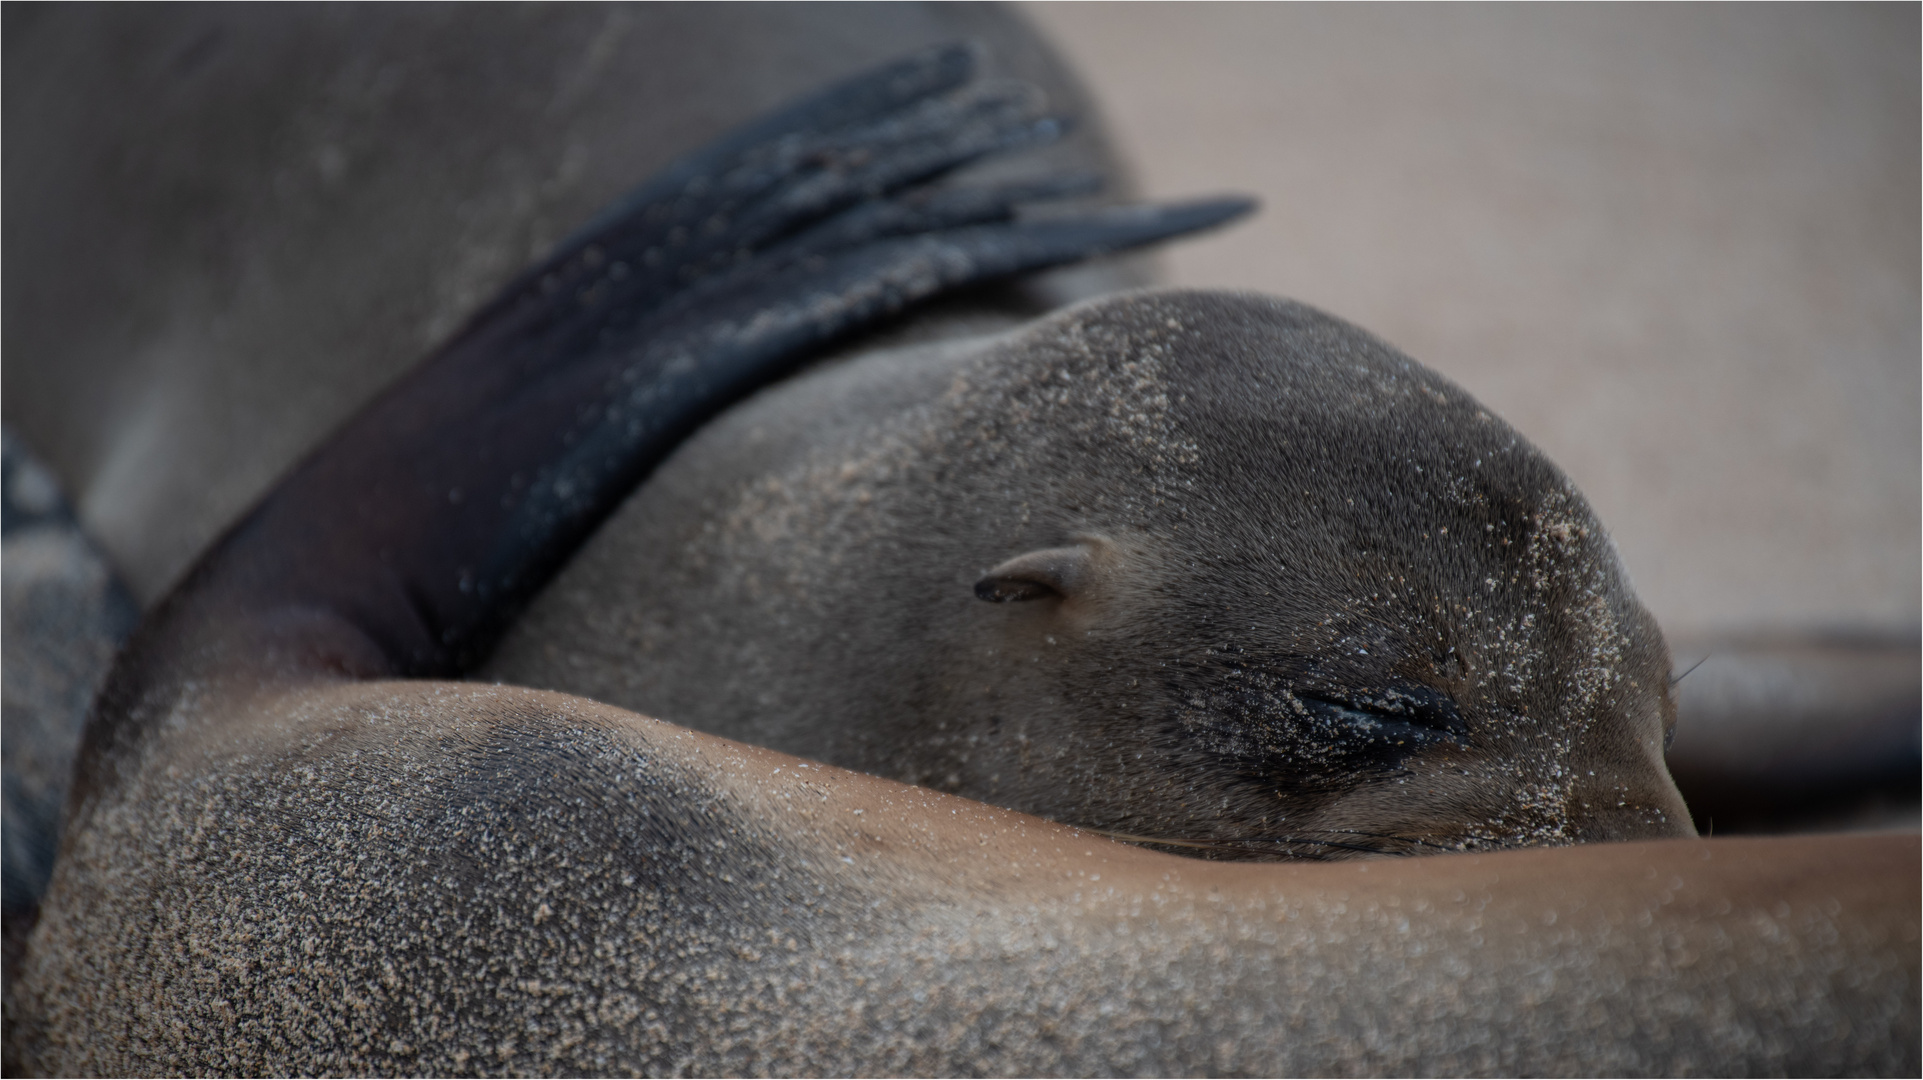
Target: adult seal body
(246, 222)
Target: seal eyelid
(1036, 574)
(1398, 715)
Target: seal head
(1212, 569)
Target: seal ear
(1048, 572)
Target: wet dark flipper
(433, 516)
(863, 98)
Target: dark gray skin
(1271, 589)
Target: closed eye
(1400, 717)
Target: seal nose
(1644, 806)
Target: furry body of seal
(442, 878)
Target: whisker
(1212, 845)
(1253, 844)
(1131, 838)
(1388, 836)
(1493, 843)
(1679, 678)
(1319, 841)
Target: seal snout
(1617, 806)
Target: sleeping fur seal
(1275, 589)
(295, 846)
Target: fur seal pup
(286, 855)
(1258, 585)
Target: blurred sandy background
(1676, 246)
